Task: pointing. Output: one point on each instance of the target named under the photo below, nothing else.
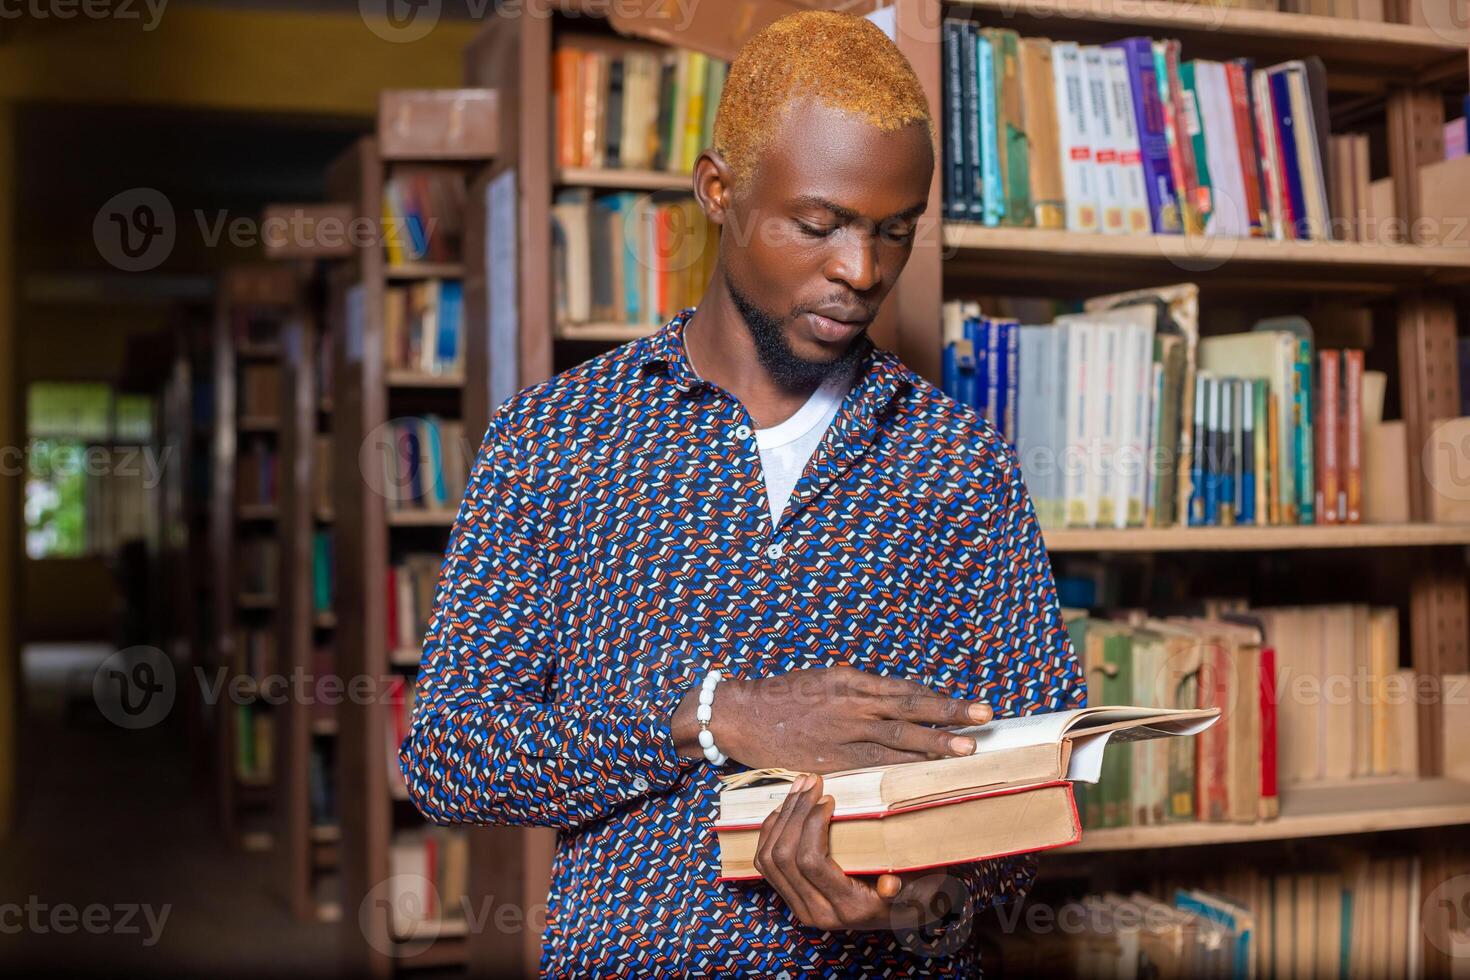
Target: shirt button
(742, 432)
(640, 784)
(774, 550)
(783, 975)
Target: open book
(1008, 751)
(1013, 795)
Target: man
(755, 490)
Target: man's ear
(714, 185)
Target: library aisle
(1196, 275)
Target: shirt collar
(879, 379)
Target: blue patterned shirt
(615, 544)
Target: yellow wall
(328, 64)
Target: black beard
(784, 365)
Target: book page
(1009, 733)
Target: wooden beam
(11, 437)
(1415, 138)
(216, 58)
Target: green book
(1116, 782)
(1306, 483)
(1194, 128)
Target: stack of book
(1127, 138)
(628, 258)
(411, 585)
(1123, 417)
(423, 327)
(633, 106)
(429, 874)
(423, 215)
(1357, 915)
(425, 463)
(1013, 795)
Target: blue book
(994, 207)
(994, 367)
(1228, 916)
(970, 89)
(434, 479)
(1011, 371)
(959, 372)
(451, 323)
(977, 332)
(1286, 125)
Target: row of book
(1122, 417)
(1358, 914)
(322, 578)
(321, 782)
(628, 258)
(425, 463)
(260, 391)
(631, 106)
(423, 326)
(321, 475)
(423, 215)
(255, 652)
(429, 874)
(411, 585)
(1310, 695)
(1126, 138)
(256, 473)
(258, 566)
(255, 742)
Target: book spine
(1153, 462)
(1011, 334)
(1194, 133)
(1104, 143)
(1328, 400)
(970, 72)
(1245, 134)
(1269, 701)
(1076, 151)
(1141, 390)
(1225, 495)
(994, 205)
(1246, 454)
(994, 366)
(1153, 147)
(1305, 484)
(955, 202)
(1198, 508)
(1350, 450)
(1173, 135)
(1120, 110)
(1110, 400)
(1193, 197)
(1294, 212)
(1078, 346)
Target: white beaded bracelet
(703, 713)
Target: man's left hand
(794, 856)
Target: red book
(1245, 138)
(1327, 422)
(1350, 448)
(1270, 805)
(1212, 761)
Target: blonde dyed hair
(844, 61)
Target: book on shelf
(255, 652)
(628, 105)
(260, 391)
(425, 463)
(256, 473)
(1346, 912)
(255, 740)
(398, 702)
(1129, 138)
(1098, 406)
(255, 325)
(321, 783)
(423, 214)
(629, 258)
(429, 871)
(258, 566)
(322, 556)
(423, 326)
(321, 474)
(410, 597)
(1013, 795)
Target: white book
(1228, 215)
(1058, 366)
(1109, 422)
(1151, 461)
(1266, 130)
(1138, 419)
(1078, 178)
(1080, 341)
(1104, 142)
(1031, 415)
(1136, 219)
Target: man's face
(815, 242)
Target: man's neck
(719, 345)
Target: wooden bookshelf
(623, 180)
(370, 536)
(1252, 538)
(245, 801)
(1308, 811)
(613, 333)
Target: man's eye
(813, 231)
(898, 234)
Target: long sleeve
(487, 744)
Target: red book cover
(431, 871)
(1245, 138)
(1350, 447)
(1212, 746)
(1328, 410)
(664, 225)
(566, 64)
(1269, 800)
(392, 596)
(1177, 137)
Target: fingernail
(960, 745)
(980, 713)
(802, 782)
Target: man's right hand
(828, 719)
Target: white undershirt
(785, 448)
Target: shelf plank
(628, 180)
(1040, 254)
(405, 656)
(422, 518)
(257, 352)
(324, 726)
(1249, 538)
(324, 620)
(1342, 43)
(1316, 811)
(398, 378)
(259, 423)
(425, 270)
(255, 600)
(257, 512)
(610, 331)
